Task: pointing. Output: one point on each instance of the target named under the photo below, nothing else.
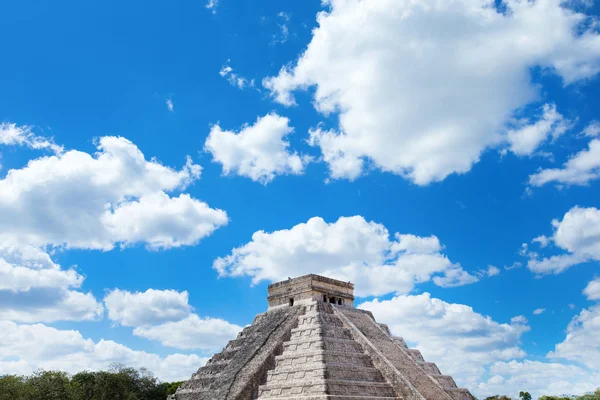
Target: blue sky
(447, 137)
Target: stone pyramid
(312, 344)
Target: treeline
(527, 396)
(119, 383)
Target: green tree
(171, 387)
(118, 383)
(13, 387)
(524, 395)
(498, 397)
(49, 385)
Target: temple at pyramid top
(309, 288)
(312, 344)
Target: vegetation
(119, 383)
(524, 396)
(527, 396)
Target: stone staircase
(321, 361)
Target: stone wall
(308, 288)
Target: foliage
(119, 383)
(171, 387)
(527, 396)
(524, 395)
(589, 396)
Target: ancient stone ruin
(312, 344)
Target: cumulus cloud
(581, 168)
(413, 86)
(170, 105)
(581, 343)
(165, 316)
(577, 235)
(25, 348)
(592, 290)
(350, 249)
(538, 311)
(449, 333)
(192, 332)
(526, 139)
(259, 151)
(538, 378)
(35, 289)
(146, 308)
(116, 196)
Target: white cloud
(448, 334)
(212, 5)
(580, 169)
(538, 311)
(581, 344)
(592, 290)
(259, 151)
(593, 129)
(163, 222)
(528, 137)
(33, 288)
(115, 196)
(578, 235)
(413, 86)
(170, 105)
(234, 78)
(538, 378)
(13, 135)
(350, 249)
(489, 272)
(146, 308)
(165, 316)
(25, 348)
(542, 240)
(284, 32)
(192, 332)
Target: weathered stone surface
(313, 345)
(309, 288)
(242, 366)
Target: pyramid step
(318, 319)
(359, 388)
(322, 356)
(212, 368)
(321, 330)
(315, 371)
(415, 354)
(400, 342)
(339, 387)
(332, 397)
(446, 381)
(459, 394)
(324, 343)
(429, 367)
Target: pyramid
(312, 344)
